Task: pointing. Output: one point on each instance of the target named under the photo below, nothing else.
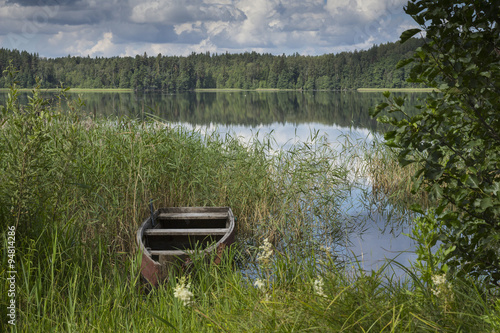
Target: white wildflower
(318, 286)
(266, 251)
(260, 284)
(439, 282)
(439, 279)
(326, 249)
(182, 292)
(442, 288)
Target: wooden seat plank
(193, 216)
(188, 232)
(167, 252)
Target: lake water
(290, 117)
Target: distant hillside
(373, 68)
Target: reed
(77, 188)
(390, 181)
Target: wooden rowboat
(169, 234)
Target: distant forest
(372, 68)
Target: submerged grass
(77, 188)
(391, 182)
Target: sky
(107, 28)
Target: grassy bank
(74, 90)
(103, 90)
(236, 89)
(76, 189)
(396, 89)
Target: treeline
(372, 68)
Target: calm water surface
(289, 116)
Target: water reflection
(241, 108)
(384, 233)
(377, 244)
(286, 134)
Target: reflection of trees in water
(248, 108)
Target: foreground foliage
(455, 140)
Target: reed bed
(390, 182)
(76, 189)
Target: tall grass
(390, 182)
(77, 188)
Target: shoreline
(396, 89)
(72, 90)
(129, 90)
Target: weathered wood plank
(167, 252)
(172, 232)
(193, 216)
(194, 210)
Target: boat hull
(168, 236)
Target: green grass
(77, 188)
(74, 90)
(237, 89)
(220, 89)
(396, 89)
(81, 90)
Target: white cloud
(181, 49)
(57, 38)
(83, 42)
(72, 43)
(188, 27)
(103, 47)
(261, 24)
